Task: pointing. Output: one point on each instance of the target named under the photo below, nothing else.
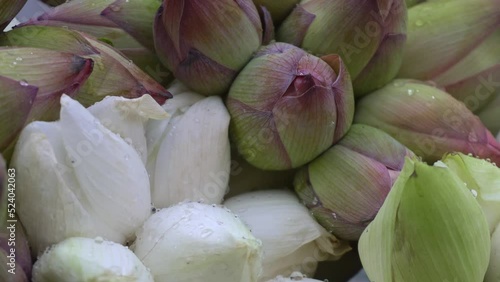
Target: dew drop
(98, 240)
(474, 193)
(19, 59)
(433, 97)
(23, 83)
(411, 92)
(419, 23)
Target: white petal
(198, 242)
(286, 229)
(127, 117)
(193, 161)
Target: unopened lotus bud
(288, 106)
(368, 35)
(482, 178)
(189, 153)
(475, 80)
(8, 10)
(429, 213)
(198, 242)
(15, 257)
(77, 178)
(291, 239)
(427, 120)
(433, 25)
(203, 46)
(346, 186)
(88, 260)
(113, 74)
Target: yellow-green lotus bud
(483, 180)
(430, 228)
(89, 260)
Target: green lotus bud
(279, 9)
(288, 106)
(436, 33)
(15, 257)
(475, 79)
(345, 196)
(8, 10)
(210, 43)
(369, 36)
(427, 120)
(483, 180)
(114, 75)
(430, 228)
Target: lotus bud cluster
(8, 10)
(85, 259)
(288, 107)
(206, 43)
(467, 69)
(291, 239)
(482, 178)
(429, 213)
(427, 120)
(368, 35)
(76, 177)
(189, 152)
(345, 187)
(198, 242)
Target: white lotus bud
(127, 118)
(77, 178)
(89, 260)
(292, 240)
(198, 242)
(190, 154)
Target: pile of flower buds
(250, 141)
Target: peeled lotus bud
(429, 213)
(75, 177)
(436, 33)
(8, 10)
(483, 180)
(427, 120)
(198, 242)
(369, 36)
(475, 80)
(113, 74)
(15, 257)
(189, 153)
(345, 196)
(296, 276)
(288, 107)
(279, 9)
(88, 260)
(291, 239)
(206, 43)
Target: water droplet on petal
(23, 83)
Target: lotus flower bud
(279, 9)
(291, 239)
(429, 213)
(198, 242)
(8, 10)
(475, 80)
(369, 36)
(114, 75)
(77, 178)
(206, 48)
(483, 180)
(87, 260)
(345, 196)
(287, 106)
(427, 120)
(189, 153)
(15, 257)
(434, 25)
